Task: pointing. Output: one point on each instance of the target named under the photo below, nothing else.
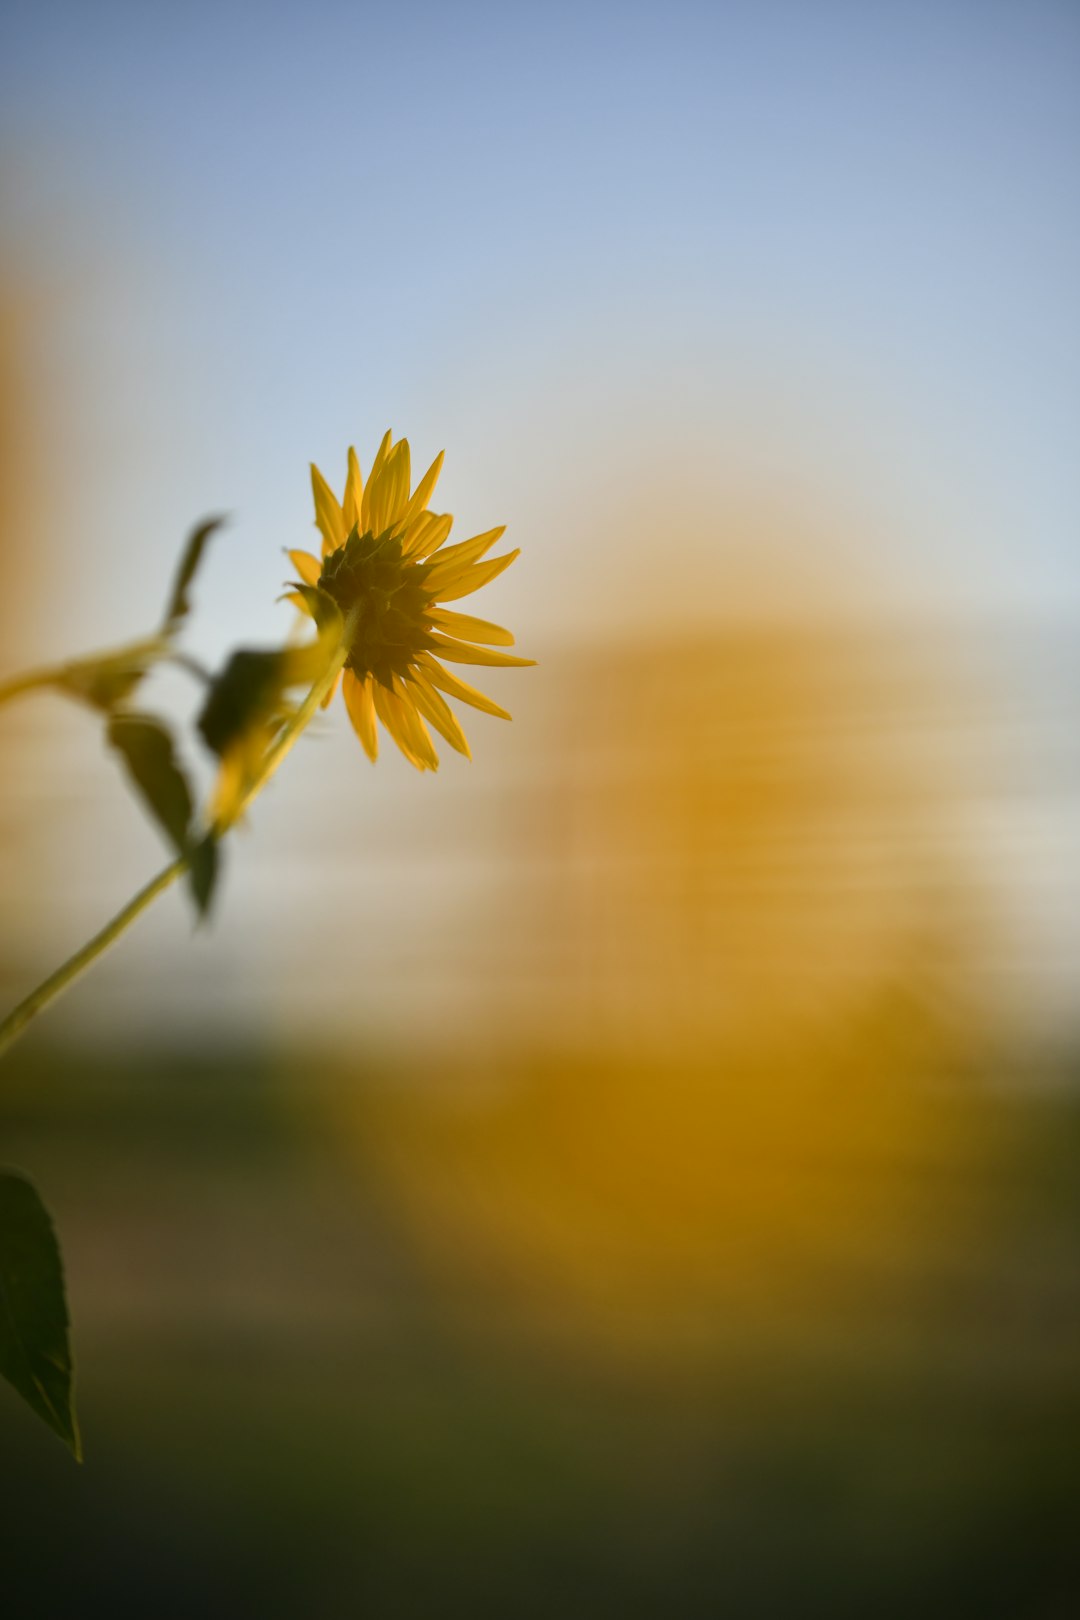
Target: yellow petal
(425, 489)
(397, 479)
(328, 514)
(308, 567)
(361, 709)
(435, 707)
(458, 688)
(388, 709)
(229, 788)
(454, 557)
(329, 698)
(388, 489)
(459, 653)
(468, 628)
(298, 601)
(472, 577)
(374, 477)
(354, 493)
(239, 768)
(426, 534)
(415, 729)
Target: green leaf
(103, 689)
(146, 748)
(35, 1353)
(248, 693)
(107, 680)
(179, 603)
(203, 872)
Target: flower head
(386, 566)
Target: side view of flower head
(387, 568)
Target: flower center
(369, 574)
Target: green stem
(192, 667)
(31, 682)
(299, 721)
(28, 1009)
(17, 1020)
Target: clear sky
(597, 251)
(641, 269)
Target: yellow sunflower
(386, 561)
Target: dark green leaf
(179, 603)
(203, 872)
(35, 1353)
(248, 693)
(147, 750)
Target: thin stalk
(17, 1020)
(46, 992)
(299, 721)
(192, 667)
(31, 682)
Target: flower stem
(46, 992)
(17, 1020)
(274, 756)
(30, 682)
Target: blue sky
(639, 268)
(587, 248)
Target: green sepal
(322, 607)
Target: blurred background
(633, 1173)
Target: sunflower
(385, 561)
